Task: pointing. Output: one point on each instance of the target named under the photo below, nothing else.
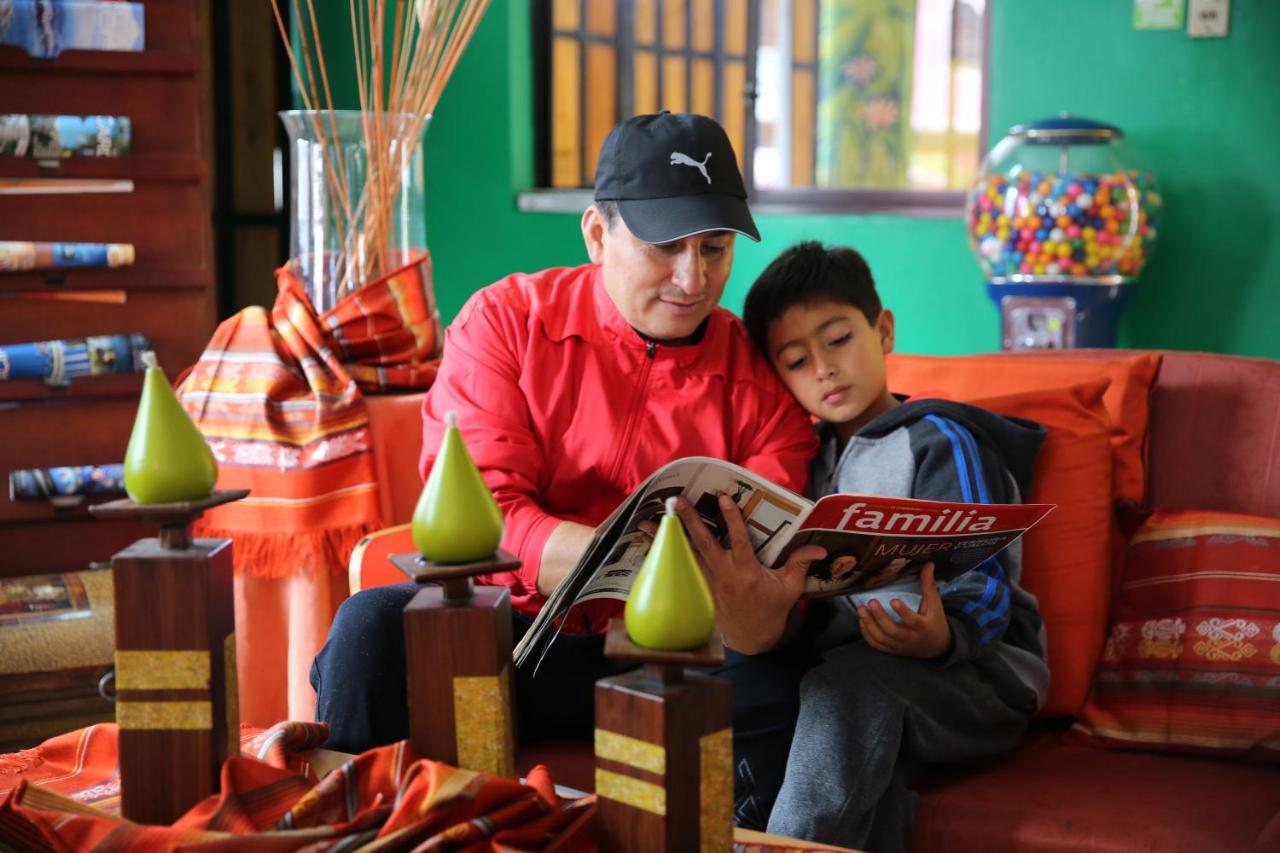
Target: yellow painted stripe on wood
(162, 670)
(162, 716)
(715, 790)
(482, 724)
(632, 752)
(636, 793)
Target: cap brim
(662, 220)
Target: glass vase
(356, 200)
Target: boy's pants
(866, 718)
(359, 677)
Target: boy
(952, 679)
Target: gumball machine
(1061, 222)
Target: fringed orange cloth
(385, 799)
(279, 397)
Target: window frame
(787, 201)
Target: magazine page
(608, 568)
(771, 512)
(875, 541)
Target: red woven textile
(384, 799)
(279, 399)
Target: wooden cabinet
(167, 295)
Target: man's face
(832, 360)
(664, 290)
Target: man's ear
(594, 229)
(884, 326)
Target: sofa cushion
(1066, 556)
(1127, 400)
(1222, 408)
(1052, 796)
(1192, 660)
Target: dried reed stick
(403, 58)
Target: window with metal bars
(830, 104)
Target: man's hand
(753, 601)
(926, 634)
(564, 548)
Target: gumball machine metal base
(1064, 314)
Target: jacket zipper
(650, 351)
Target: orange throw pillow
(1127, 400)
(1192, 662)
(1066, 557)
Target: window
(831, 104)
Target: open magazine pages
(870, 541)
(617, 551)
(875, 541)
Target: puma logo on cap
(678, 159)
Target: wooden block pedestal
(664, 751)
(175, 662)
(458, 655)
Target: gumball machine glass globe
(1062, 200)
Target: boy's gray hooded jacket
(941, 450)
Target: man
(571, 386)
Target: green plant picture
(866, 50)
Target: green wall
(1203, 115)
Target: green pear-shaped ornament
(670, 606)
(168, 459)
(456, 519)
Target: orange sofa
(1212, 442)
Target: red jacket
(566, 409)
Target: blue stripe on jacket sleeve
(964, 451)
(975, 461)
(1001, 609)
(957, 453)
(988, 594)
(988, 636)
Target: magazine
(871, 541)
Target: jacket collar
(585, 310)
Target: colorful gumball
(1064, 205)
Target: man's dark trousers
(359, 677)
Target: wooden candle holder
(175, 661)
(458, 664)
(664, 750)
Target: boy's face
(832, 360)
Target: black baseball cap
(673, 175)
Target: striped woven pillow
(1192, 661)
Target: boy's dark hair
(806, 274)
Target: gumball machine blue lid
(1061, 216)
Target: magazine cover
(57, 362)
(871, 541)
(22, 256)
(875, 541)
(57, 137)
(47, 27)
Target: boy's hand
(926, 634)
(753, 602)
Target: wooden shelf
(165, 169)
(26, 511)
(119, 278)
(108, 385)
(168, 294)
(102, 62)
